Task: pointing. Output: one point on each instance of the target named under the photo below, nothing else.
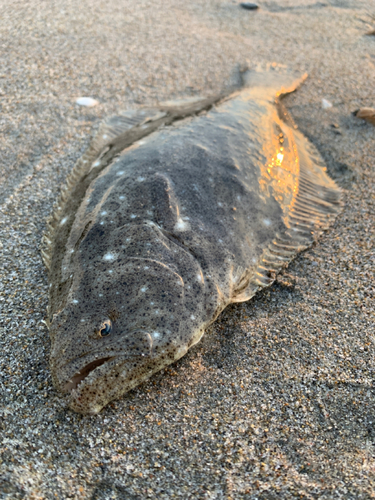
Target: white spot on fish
(121, 197)
(121, 172)
(143, 289)
(103, 212)
(155, 335)
(74, 301)
(267, 222)
(146, 267)
(219, 204)
(181, 225)
(96, 164)
(110, 257)
(192, 317)
(140, 179)
(133, 216)
(110, 271)
(105, 136)
(180, 352)
(63, 221)
(82, 320)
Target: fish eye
(105, 328)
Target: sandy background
(277, 401)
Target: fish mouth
(92, 382)
(83, 373)
(104, 379)
(96, 368)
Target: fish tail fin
(274, 80)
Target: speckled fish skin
(183, 222)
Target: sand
(277, 401)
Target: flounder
(173, 213)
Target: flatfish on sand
(173, 213)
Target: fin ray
(316, 204)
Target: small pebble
(326, 104)
(249, 5)
(367, 114)
(86, 101)
(335, 128)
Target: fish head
(124, 319)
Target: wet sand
(277, 401)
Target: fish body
(171, 216)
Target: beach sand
(277, 400)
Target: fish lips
(95, 379)
(108, 379)
(68, 375)
(97, 387)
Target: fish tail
(273, 79)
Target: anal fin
(317, 202)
